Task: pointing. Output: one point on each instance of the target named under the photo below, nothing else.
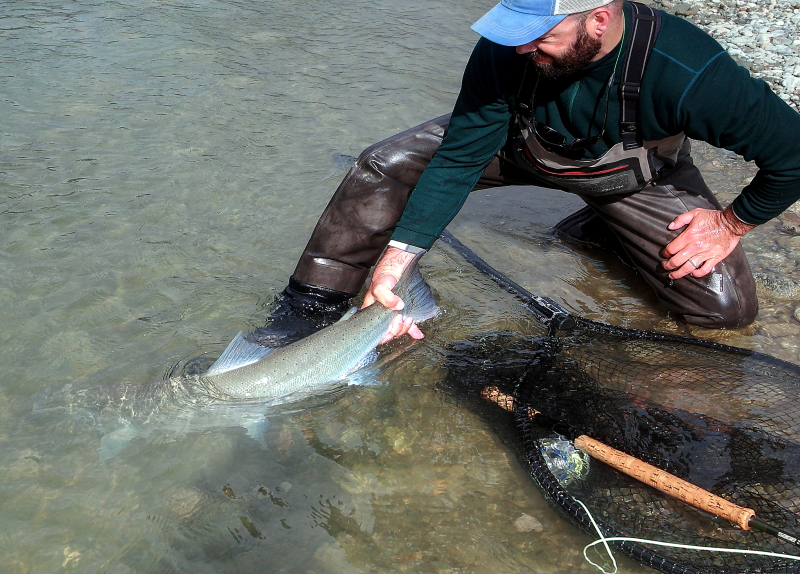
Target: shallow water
(163, 164)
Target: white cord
(602, 539)
(605, 542)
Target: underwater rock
(527, 523)
(776, 285)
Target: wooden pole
(659, 479)
(666, 482)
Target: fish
(247, 370)
(241, 386)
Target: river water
(163, 163)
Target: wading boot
(301, 310)
(587, 229)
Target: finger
(401, 327)
(398, 328)
(369, 299)
(682, 271)
(682, 220)
(384, 295)
(690, 220)
(674, 248)
(704, 269)
(415, 333)
(679, 265)
(689, 268)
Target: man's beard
(579, 54)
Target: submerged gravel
(763, 36)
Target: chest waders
(637, 188)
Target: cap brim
(510, 28)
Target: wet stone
(776, 285)
(685, 9)
(527, 523)
(778, 330)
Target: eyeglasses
(556, 142)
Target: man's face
(564, 50)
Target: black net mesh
(722, 418)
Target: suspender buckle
(630, 89)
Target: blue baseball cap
(517, 22)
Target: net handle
(642, 471)
(666, 482)
(661, 480)
(744, 518)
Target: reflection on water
(163, 164)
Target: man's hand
(385, 276)
(708, 238)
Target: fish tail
(416, 294)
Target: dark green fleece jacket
(691, 85)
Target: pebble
(779, 331)
(777, 286)
(763, 36)
(527, 523)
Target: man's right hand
(385, 276)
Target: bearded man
(592, 97)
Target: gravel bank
(763, 36)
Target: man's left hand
(708, 238)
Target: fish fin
(111, 444)
(360, 375)
(257, 430)
(349, 313)
(370, 358)
(239, 353)
(416, 294)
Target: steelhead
(239, 387)
(247, 370)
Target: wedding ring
(693, 264)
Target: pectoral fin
(112, 443)
(349, 313)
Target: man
(548, 72)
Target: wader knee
(351, 234)
(358, 222)
(724, 299)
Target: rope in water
(605, 540)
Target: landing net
(722, 418)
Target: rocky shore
(762, 35)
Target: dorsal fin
(238, 354)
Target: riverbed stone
(528, 523)
(776, 285)
(686, 9)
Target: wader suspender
(628, 165)
(646, 25)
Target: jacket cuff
(408, 237)
(406, 247)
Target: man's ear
(598, 22)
